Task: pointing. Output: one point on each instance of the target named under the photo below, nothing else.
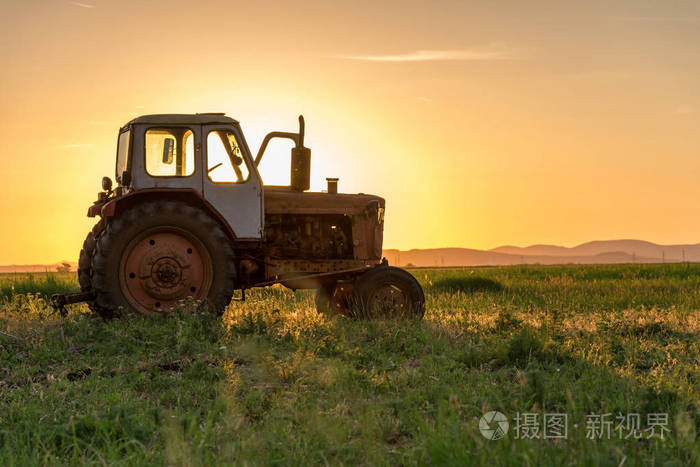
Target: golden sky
(481, 123)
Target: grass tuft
(37, 284)
(466, 284)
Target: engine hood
(291, 202)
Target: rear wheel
(388, 292)
(157, 254)
(85, 265)
(85, 259)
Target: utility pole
(663, 256)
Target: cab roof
(195, 119)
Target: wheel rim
(163, 266)
(387, 300)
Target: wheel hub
(162, 267)
(166, 273)
(387, 299)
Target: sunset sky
(481, 123)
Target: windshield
(122, 153)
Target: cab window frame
(129, 150)
(241, 147)
(170, 127)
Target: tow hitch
(59, 301)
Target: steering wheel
(215, 167)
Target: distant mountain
(597, 252)
(638, 248)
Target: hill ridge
(592, 252)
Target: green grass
(275, 383)
(41, 284)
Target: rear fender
(185, 195)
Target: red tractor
(190, 219)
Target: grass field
(275, 383)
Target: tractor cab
(205, 153)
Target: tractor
(190, 219)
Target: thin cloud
(656, 19)
(82, 5)
(683, 109)
(435, 55)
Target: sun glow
(568, 137)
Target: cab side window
(169, 152)
(225, 162)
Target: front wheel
(323, 298)
(388, 292)
(333, 298)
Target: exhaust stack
(301, 162)
(300, 175)
(332, 185)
